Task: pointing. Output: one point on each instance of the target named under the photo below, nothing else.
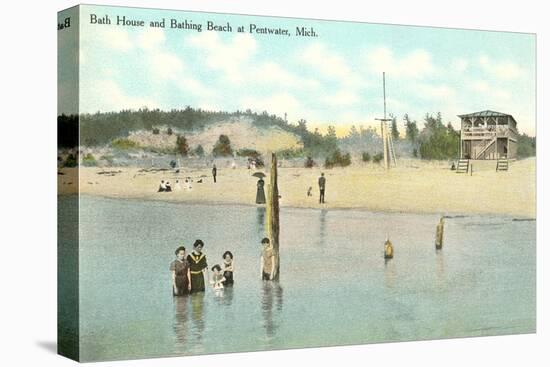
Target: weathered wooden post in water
(439, 234)
(272, 213)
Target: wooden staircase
(502, 165)
(481, 153)
(463, 166)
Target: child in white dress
(217, 278)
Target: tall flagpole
(383, 127)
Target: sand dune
(242, 133)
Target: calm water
(335, 287)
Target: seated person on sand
(162, 186)
(188, 183)
(168, 187)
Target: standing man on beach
(322, 182)
(214, 172)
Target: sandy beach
(414, 186)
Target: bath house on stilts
(487, 135)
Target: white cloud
(165, 65)
(502, 95)
(429, 91)
(485, 89)
(115, 39)
(417, 64)
(229, 57)
(341, 98)
(460, 65)
(271, 73)
(508, 70)
(328, 63)
(106, 95)
(479, 86)
(234, 60)
(505, 70)
(357, 118)
(151, 38)
(194, 87)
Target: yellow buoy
(388, 249)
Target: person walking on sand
(214, 172)
(322, 185)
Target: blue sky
(333, 78)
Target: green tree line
(436, 140)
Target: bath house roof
(487, 113)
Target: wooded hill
(435, 140)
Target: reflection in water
(228, 296)
(272, 305)
(260, 214)
(440, 266)
(390, 274)
(181, 307)
(225, 296)
(322, 227)
(197, 316)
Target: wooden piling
(439, 233)
(272, 213)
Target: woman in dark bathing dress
(198, 266)
(228, 268)
(181, 277)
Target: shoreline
(423, 188)
(448, 215)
